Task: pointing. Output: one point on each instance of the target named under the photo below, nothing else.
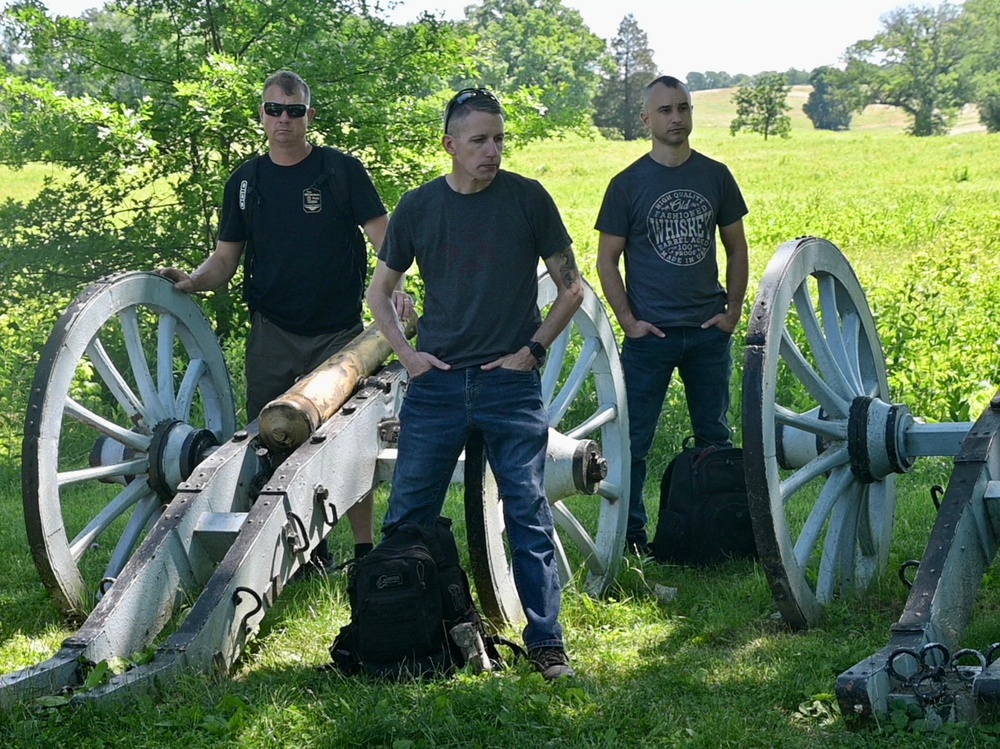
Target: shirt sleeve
(612, 218)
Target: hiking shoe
(551, 663)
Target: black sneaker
(551, 663)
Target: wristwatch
(537, 350)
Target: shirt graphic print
(681, 224)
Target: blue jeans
(439, 411)
(704, 361)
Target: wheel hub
(175, 450)
(876, 439)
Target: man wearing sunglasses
(294, 220)
(476, 235)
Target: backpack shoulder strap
(335, 175)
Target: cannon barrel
(289, 420)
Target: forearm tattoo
(567, 270)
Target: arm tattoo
(568, 271)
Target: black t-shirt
(307, 261)
(478, 258)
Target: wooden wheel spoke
(571, 527)
(834, 335)
(826, 396)
(108, 428)
(575, 381)
(114, 381)
(140, 367)
(196, 370)
(553, 365)
(833, 430)
(605, 415)
(820, 347)
(117, 507)
(821, 464)
(115, 470)
(146, 509)
(166, 329)
(839, 480)
(837, 562)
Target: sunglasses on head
(463, 96)
(274, 109)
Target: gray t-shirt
(478, 258)
(668, 216)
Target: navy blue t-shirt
(669, 217)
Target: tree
(761, 106)
(169, 111)
(980, 22)
(914, 63)
(833, 100)
(541, 47)
(620, 99)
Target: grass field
(713, 668)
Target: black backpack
(704, 514)
(407, 595)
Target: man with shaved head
(662, 213)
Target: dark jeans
(439, 410)
(703, 358)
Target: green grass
(713, 668)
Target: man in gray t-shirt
(662, 214)
(477, 235)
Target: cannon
(169, 531)
(823, 445)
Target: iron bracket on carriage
(173, 532)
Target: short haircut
(664, 80)
(289, 82)
(466, 101)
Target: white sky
(734, 36)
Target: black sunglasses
(274, 109)
(466, 94)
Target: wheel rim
(584, 393)
(114, 424)
(822, 521)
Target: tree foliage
(541, 47)
(914, 63)
(621, 94)
(761, 106)
(148, 105)
(833, 100)
(981, 64)
(714, 79)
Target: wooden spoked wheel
(819, 432)
(587, 472)
(131, 391)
